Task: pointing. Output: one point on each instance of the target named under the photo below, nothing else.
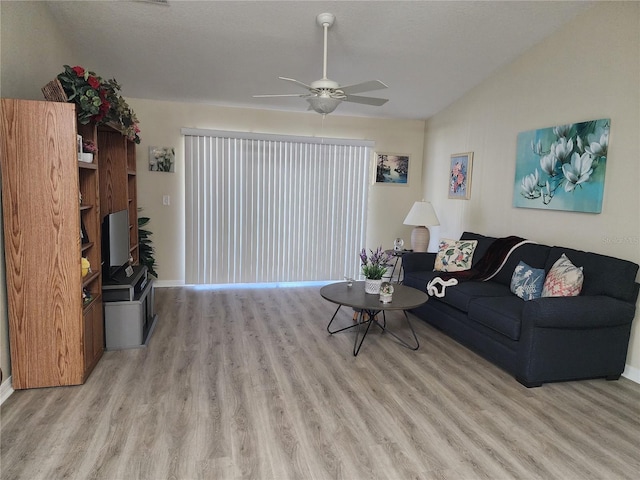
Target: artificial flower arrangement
(98, 100)
(375, 266)
(89, 147)
(86, 90)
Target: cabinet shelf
(88, 166)
(86, 246)
(89, 279)
(88, 305)
(85, 207)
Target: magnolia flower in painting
(536, 147)
(577, 171)
(548, 164)
(562, 149)
(562, 131)
(529, 185)
(599, 149)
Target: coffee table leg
(402, 342)
(341, 329)
(356, 345)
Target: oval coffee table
(404, 298)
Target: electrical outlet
(166, 200)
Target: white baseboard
(631, 373)
(168, 283)
(6, 389)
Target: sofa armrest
(581, 312)
(418, 261)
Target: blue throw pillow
(527, 282)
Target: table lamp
(421, 215)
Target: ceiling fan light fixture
(323, 104)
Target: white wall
(588, 70)
(161, 123)
(33, 50)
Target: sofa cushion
(527, 282)
(459, 296)
(454, 255)
(603, 275)
(502, 314)
(419, 279)
(483, 244)
(533, 254)
(563, 280)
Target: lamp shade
(323, 104)
(422, 214)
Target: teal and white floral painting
(562, 167)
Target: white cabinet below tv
(129, 315)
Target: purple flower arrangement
(375, 265)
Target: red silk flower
(79, 71)
(94, 82)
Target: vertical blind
(263, 208)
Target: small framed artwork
(84, 237)
(460, 175)
(79, 146)
(392, 169)
(162, 159)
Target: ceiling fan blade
(363, 87)
(293, 80)
(267, 95)
(366, 100)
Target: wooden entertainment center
(49, 197)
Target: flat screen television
(115, 242)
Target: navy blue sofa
(543, 340)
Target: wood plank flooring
(248, 384)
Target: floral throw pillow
(527, 282)
(454, 255)
(563, 280)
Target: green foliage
(146, 250)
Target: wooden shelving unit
(49, 197)
(132, 198)
(118, 180)
(56, 339)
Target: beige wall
(33, 51)
(161, 123)
(588, 70)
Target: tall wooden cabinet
(48, 198)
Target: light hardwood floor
(248, 384)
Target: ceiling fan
(325, 95)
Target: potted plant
(374, 267)
(88, 150)
(146, 251)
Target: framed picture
(162, 159)
(392, 169)
(460, 175)
(562, 167)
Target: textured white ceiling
(429, 53)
